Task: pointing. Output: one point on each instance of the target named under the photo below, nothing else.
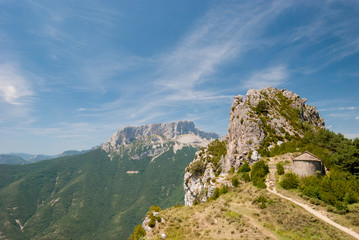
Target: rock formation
(154, 139)
(258, 122)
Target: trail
(271, 188)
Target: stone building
(307, 164)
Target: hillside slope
(240, 214)
(99, 194)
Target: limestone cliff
(154, 139)
(259, 121)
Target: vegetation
(236, 216)
(258, 174)
(336, 151)
(197, 167)
(53, 197)
(289, 181)
(138, 233)
(245, 177)
(213, 153)
(280, 169)
(244, 168)
(235, 181)
(337, 188)
(218, 192)
(262, 107)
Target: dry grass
(236, 215)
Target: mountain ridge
(97, 194)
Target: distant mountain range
(24, 158)
(102, 193)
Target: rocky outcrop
(258, 122)
(167, 131)
(153, 140)
(271, 116)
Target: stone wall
(306, 168)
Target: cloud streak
(274, 77)
(15, 89)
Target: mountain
(262, 120)
(11, 159)
(237, 187)
(103, 193)
(24, 158)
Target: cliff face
(258, 122)
(154, 139)
(266, 117)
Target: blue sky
(74, 72)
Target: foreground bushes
(337, 189)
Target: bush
(138, 233)
(280, 169)
(216, 193)
(197, 168)
(246, 177)
(262, 200)
(231, 170)
(224, 189)
(258, 174)
(262, 107)
(244, 168)
(155, 208)
(235, 182)
(289, 181)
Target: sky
(74, 72)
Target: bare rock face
(154, 139)
(258, 122)
(269, 114)
(127, 135)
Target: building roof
(307, 156)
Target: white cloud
(15, 89)
(351, 135)
(338, 108)
(357, 117)
(274, 77)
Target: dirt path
(271, 188)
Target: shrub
(155, 208)
(289, 181)
(258, 174)
(244, 168)
(235, 182)
(197, 168)
(216, 193)
(224, 189)
(138, 233)
(262, 107)
(231, 170)
(246, 177)
(261, 200)
(280, 169)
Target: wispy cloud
(338, 109)
(357, 117)
(15, 89)
(330, 26)
(220, 36)
(274, 77)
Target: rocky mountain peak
(169, 131)
(263, 119)
(258, 122)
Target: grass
(236, 216)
